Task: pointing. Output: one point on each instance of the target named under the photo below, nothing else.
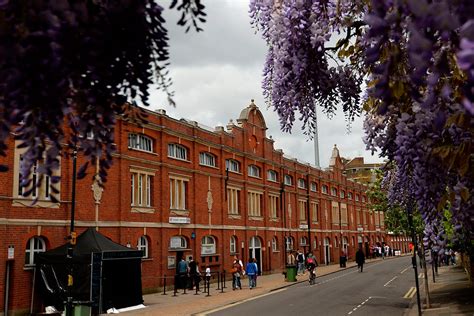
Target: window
(335, 213)
(140, 142)
(254, 171)
(178, 188)
(333, 191)
(315, 211)
(314, 186)
(288, 180)
(232, 165)
(357, 197)
(303, 241)
(233, 244)
(301, 183)
(273, 205)
(343, 194)
(302, 209)
(324, 189)
(274, 244)
(39, 186)
(349, 195)
(289, 243)
(363, 198)
(177, 151)
(207, 159)
(254, 203)
(208, 245)
(178, 242)
(141, 189)
(233, 200)
(34, 246)
(143, 246)
(272, 175)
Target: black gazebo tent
(106, 274)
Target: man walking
(183, 269)
(360, 259)
(301, 260)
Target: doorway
(327, 254)
(255, 251)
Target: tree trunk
(425, 271)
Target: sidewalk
(191, 304)
(450, 295)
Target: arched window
(208, 245)
(140, 142)
(207, 159)
(178, 242)
(274, 244)
(233, 244)
(254, 171)
(232, 165)
(315, 242)
(143, 245)
(303, 241)
(288, 179)
(177, 151)
(289, 243)
(301, 183)
(272, 175)
(34, 246)
(314, 186)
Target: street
(379, 290)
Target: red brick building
(177, 188)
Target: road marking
(390, 281)
(421, 276)
(405, 270)
(360, 305)
(411, 292)
(238, 303)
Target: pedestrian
(360, 260)
(251, 271)
(197, 277)
(236, 273)
(183, 270)
(192, 272)
(300, 259)
(256, 274)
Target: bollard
(164, 285)
(222, 287)
(218, 281)
(224, 279)
(175, 289)
(208, 284)
(196, 291)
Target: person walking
(236, 273)
(360, 259)
(197, 277)
(252, 271)
(183, 270)
(192, 272)
(300, 259)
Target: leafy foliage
(417, 60)
(79, 64)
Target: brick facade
(206, 203)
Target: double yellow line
(411, 292)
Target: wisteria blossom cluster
(417, 59)
(78, 64)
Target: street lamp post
(71, 237)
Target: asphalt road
(379, 290)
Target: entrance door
(327, 255)
(255, 251)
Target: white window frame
(208, 242)
(314, 187)
(324, 189)
(289, 243)
(342, 194)
(233, 200)
(177, 151)
(254, 203)
(301, 183)
(274, 244)
(178, 193)
(207, 159)
(35, 245)
(303, 241)
(273, 203)
(349, 195)
(183, 242)
(314, 211)
(140, 142)
(302, 210)
(333, 191)
(253, 171)
(233, 244)
(357, 197)
(272, 176)
(142, 245)
(141, 188)
(288, 180)
(232, 165)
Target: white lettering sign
(11, 252)
(179, 220)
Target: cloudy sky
(217, 72)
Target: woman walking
(252, 271)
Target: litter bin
(291, 273)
